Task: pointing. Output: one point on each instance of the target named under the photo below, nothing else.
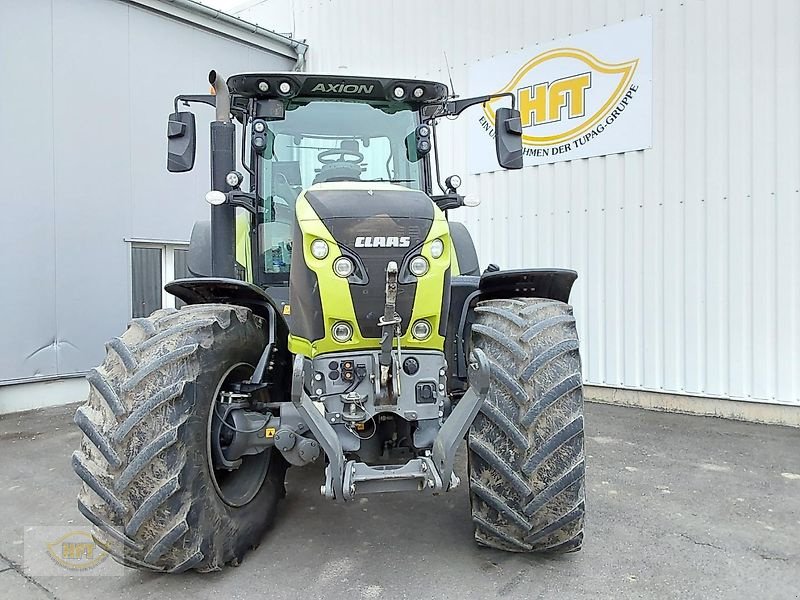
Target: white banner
(586, 95)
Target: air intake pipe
(223, 161)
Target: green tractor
(334, 314)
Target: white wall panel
(688, 253)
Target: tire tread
(526, 456)
(134, 450)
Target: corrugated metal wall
(688, 253)
(87, 87)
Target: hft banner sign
(586, 95)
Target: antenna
(450, 76)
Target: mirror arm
(201, 98)
(249, 168)
(432, 124)
(211, 100)
(456, 107)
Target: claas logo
(564, 92)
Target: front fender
(207, 290)
(555, 284)
(466, 292)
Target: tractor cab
(327, 138)
(301, 130)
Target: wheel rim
(239, 486)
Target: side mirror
(181, 142)
(508, 138)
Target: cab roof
(285, 86)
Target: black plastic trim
(463, 291)
(465, 249)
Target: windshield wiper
(388, 180)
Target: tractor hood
(372, 224)
(362, 200)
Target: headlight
(437, 248)
(453, 182)
(342, 332)
(234, 179)
(421, 329)
(319, 249)
(418, 266)
(343, 266)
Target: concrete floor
(678, 507)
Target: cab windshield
(326, 141)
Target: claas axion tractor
(335, 315)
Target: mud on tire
(526, 455)
(147, 485)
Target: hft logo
(545, 102)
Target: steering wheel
(326, 157)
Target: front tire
(526, 455)
(149, 487)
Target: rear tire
(148, 485)
(526, 455)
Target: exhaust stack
(223, 161)
(223, 96)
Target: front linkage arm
(459, 421)
(325, 434)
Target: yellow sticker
(360, 426)
(269, 432)
(287, 309)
